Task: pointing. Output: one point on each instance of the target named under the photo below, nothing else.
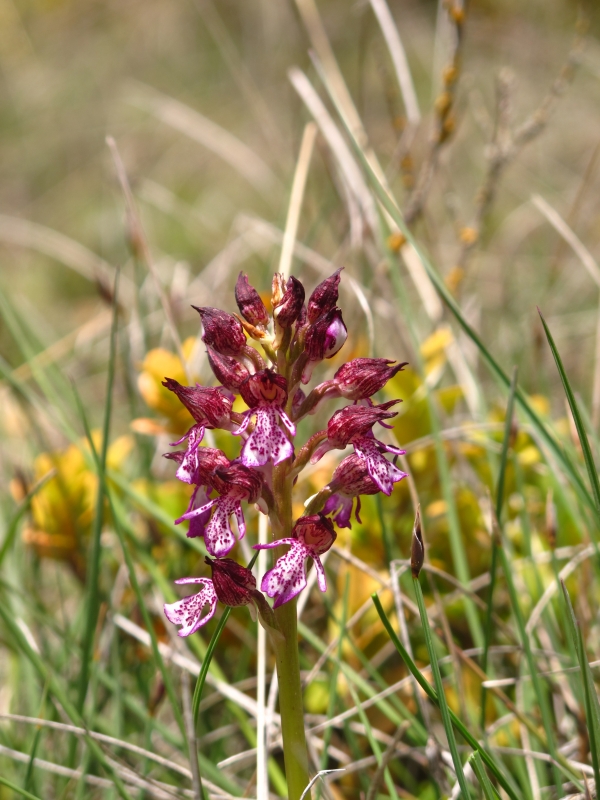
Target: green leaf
(592, 704)
(503, 779)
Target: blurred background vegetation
(198, 98)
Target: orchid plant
(294, 340)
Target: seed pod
(417, 550)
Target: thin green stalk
(93, 570)
(295, 751)
(488, 789)
(592, 704)
(437, 679)
(503, 779)
(488, 629)
(17, 789)
(539, 689)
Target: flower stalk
(295, 339)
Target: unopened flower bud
(208, 405)
(417, 551)
(249, 303)
(353, 421)
(233, 583)
(551, 523)
(222, 331)
(264, 387)
(324, 297)
(239, 480)
(326, 337)
(229, 372)
(316, 532)
(290, 307)
(364, 377)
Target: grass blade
(592, 705)
(494, 560)
(17, 789)
(488, 789)
(93, 570)
(442, 702)
(579, 424)
(488, 759)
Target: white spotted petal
(188, 612)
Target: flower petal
(188, 611)
(189, 464)
(288, 576)
(341, 505)
(287, 422)
(219, 538)
(245, 423)
(321, 579)
(197, 512)
(383, 472)
(267, 442)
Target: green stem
(295, 753)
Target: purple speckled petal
(199, 511)
(241, 522)
(218, 535)
(188, 612)
(271, 545)
(267, 442)
(383, 472)
(287, 422)
(321, 579)
(342, 504)
(187, 469)
(245, 423)
(288, 576)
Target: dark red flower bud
(351, 477)
(316, 531)
(326, 336)
(229, 372)
(237, 479)
(363, 377)
(222, 331)
(208, 405)
(353, 421)
(324, 297)
(233, 583)
(264, 388)
(249, 303)
(290, 307)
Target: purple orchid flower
(313, 536)
(234, 483)
(265, 393)
(350, 480)
(352, 425)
